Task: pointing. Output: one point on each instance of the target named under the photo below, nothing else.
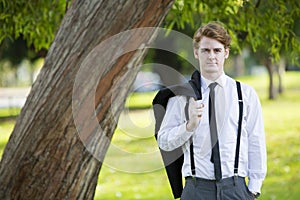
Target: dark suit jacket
(173, 160)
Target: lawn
(133, 168)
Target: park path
(13, 97)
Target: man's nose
(211, 55)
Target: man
(212, 127)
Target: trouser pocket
(237, 191)
(188, 191)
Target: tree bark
(239, 65)
(270, 67)
(280, 71)
(45, 157)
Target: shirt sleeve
(257, 163)
(173, 133)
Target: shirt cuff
(187, 134)
(254, 185)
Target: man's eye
(205, 50)
(217, 50)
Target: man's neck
(212, 76)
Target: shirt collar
(221, 81)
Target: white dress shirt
(252, 159)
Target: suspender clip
(235, 172)
(235, 178)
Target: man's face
(211, 55)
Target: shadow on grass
(8, 118)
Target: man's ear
(226, 53)
(196, 51)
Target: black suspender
(193, 170)
(199, 97)
(191, 140)
(237, 150)
(238, 140)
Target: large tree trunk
(45, 157)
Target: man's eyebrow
(212, 48)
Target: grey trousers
(232, 188)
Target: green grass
(282, 119)
(9, 112)
(133, 169)
(140, 100)
(6, 128)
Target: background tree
(44, 157)
(272, 36)
(36, 21)
(27, 29)
(253, 24)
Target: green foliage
(250, 23)
(196, 12)
(270, 32)
(35, 20)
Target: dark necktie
(215, 158)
